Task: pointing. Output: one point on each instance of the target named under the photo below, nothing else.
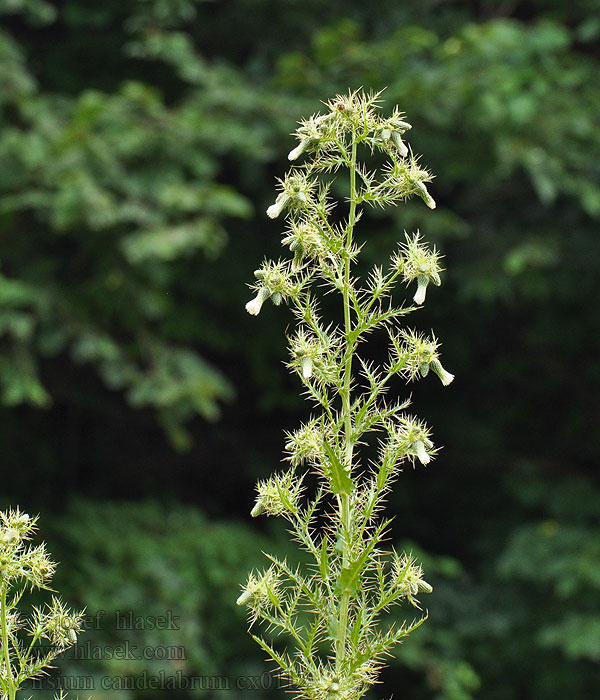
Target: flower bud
(254, 306)
(424, 194)
(259, 592)
(399, 143)
(445, 377)
(275, 209)
(422, 283)
(418, 262)
(244, 598)
(421, 452)
(278, 495)
(408, 578)
(307, 367)
(424, 587)
(299, 150)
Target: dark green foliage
(109, 199)
(133, 564)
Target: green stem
(12, 690)
(345, 502)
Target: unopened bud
(254, 306)
(275, 209)
(400, 145)
(445, 377)
(422, 283)
(424, 587)
(424, 194)
(307, 367)
(421, 452)
(299, 150)
(244, 598)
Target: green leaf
(341, 483)
(350, 576)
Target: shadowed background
(139, 144)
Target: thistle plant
(29, 643)
(332, 612)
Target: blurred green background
(139, 142)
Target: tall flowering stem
(333, 612)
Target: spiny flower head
(418, 262)
(260, 591)
(420, 355)
(406, 178)
(355, 110)
(278, 495)
(313, 133)
(331, 684)
(275, 281)
(388, 133)
(407, 576)
(59, 624)
(306, 241)
(15, 527)
(297, 194)
(312, 355)
(17, 560)
(411, 438)
(305, 444)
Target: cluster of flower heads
(320, 132)
(310, 237)
(18, 561)
(25, 566)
